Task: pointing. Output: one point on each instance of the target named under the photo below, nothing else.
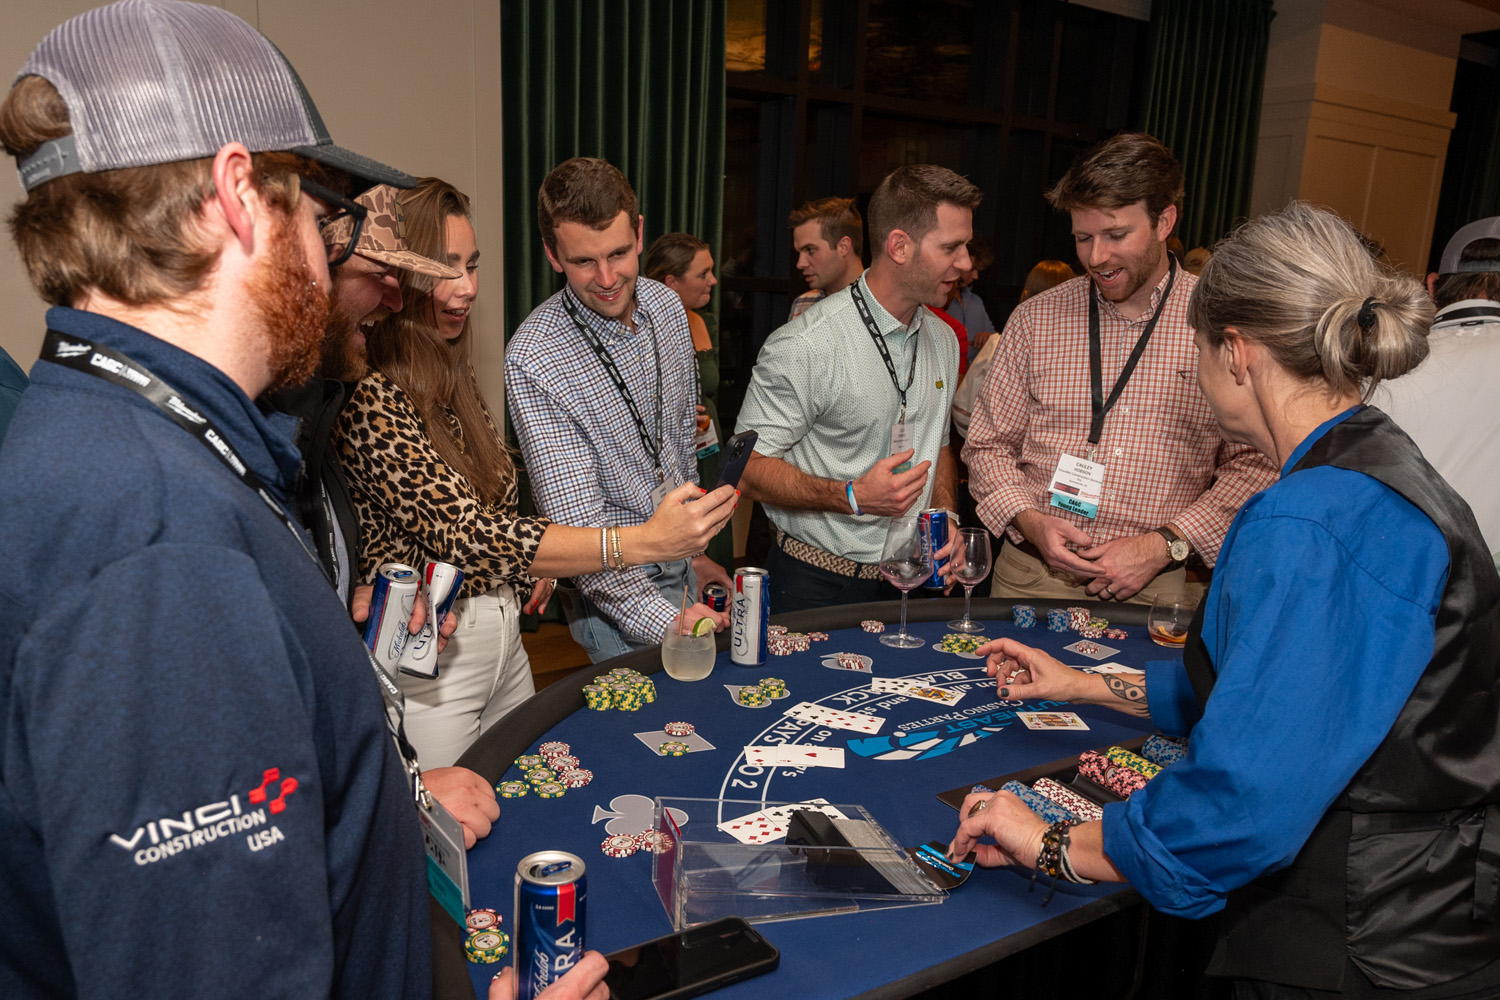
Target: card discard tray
(1063, 771)
(838, 861)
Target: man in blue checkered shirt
(603, 391)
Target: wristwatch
(1177, 546)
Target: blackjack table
(921, 749)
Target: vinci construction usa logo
(169, 836)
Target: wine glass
(970, 563)
(906, 561)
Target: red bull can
(420, 658)
(749, 615)
(550, 893)
(390, 609)
(936, 519)
(716, 596)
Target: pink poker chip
(678, 729)
(1116, 633)
(871, 625)
(850, 660)
(776, 630)
(818, 636)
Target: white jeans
(482, 674)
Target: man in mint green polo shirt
(851, 399)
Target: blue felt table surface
(836, 956)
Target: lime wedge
(703, 626)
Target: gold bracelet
(604, 548)
(614, 538)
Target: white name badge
(1077, 485)
(668, 484)
(902, 439)
(706, 442)
(447, 864)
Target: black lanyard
(98, 361)
(652, 445)
(1100, 405)
(885, 354)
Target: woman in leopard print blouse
(432, 479)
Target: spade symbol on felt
(632, 814)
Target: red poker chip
(818, 636)
(576, 778)
(553, 748)
(678, 729)
(619, 845)
(870, 625)
(654, 841)
(562, 762)
(482, 919)
(776, 630)
(1116, 633)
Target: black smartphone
(736, 454)
(691, 962)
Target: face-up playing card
(848, 661)
(795, 755)
(915, 689)
(783, 813)
(1052, 720)
(835, 719)
(1091, 649)
(754, 828)
(1112, 668)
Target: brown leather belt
(814, 556)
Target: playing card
(1111, 668)
(783, 813)
(1091, 649)
(754, 828)
(915, 689)
(835, 719)
(1052, 720)
(795, 755)
(848, 661)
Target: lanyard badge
(903, 437)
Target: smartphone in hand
(736, 455)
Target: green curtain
(1205, 70)
(637, 82)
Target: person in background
(685, 264)
(828, 239)
(1194, 259)
(1046, 274)
(1340, 686)
(968, 308)
(12, 384)
(602, 392)
(432, 479)
(1449, 405)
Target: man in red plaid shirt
(1090, 445)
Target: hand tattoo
(1132, 692)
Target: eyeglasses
(343, 214)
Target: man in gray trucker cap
(199, 789)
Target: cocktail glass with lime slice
(689, 657)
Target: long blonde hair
(436, 374)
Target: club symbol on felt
(632, 814)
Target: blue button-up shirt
(582, 448)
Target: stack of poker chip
(567, 770)
(1105, 773)
(957, 642)
(1160, 750)
(1047, 809)
(1057, 620)
(818, 636)
(776, 630)
(1023, 616)
(787, 643)
(1098, 622)
(620, 845)
(482, 919)
(1087, 648)
(654, 841)
(752, 696)
(598, 697)
(1089, 632)
(1123, 757)
(1078, 618)
(678, 729)
(1086, 809)
(549, 773)
(674, 748)
(871, 625)
(1116, 633)
(773, 687)
(487, 946)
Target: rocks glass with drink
(1169, 618)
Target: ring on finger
(979, 807)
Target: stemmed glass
(969, 564)
(906, 561)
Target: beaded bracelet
(1052, 860)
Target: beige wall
(413, 85)
(1355, 113)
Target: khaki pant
(1020, 575)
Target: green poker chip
(674, 748)
(487, 947)
(513, 789)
